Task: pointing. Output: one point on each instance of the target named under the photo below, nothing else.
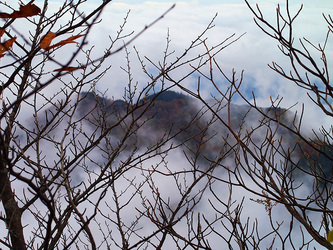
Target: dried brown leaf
(24, 11)
(64, 42)
(46, 40)
(6, 45)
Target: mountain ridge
(171, 112)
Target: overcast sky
(251, 53)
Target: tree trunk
(12, 210)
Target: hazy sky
(189, 18)
(251, 53)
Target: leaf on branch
(64, 42)
(330, 236)
(6, 45)
(46, 40)
(69, 68)
(24, 11)
(2, 31)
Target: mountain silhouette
(172, 114)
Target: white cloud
(189, 18)
(251, 53)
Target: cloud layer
(252, 52)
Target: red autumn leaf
(6, 45)
(69, 68)
(24, 11)
(64, 42)
(46, 40)
(2, 32)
